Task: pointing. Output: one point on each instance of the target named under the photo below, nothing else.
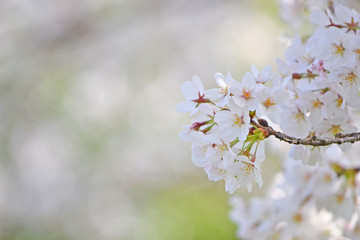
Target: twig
(313, 140)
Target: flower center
(220, 149)
(219, 171)
(299, 116)
(269, 102)
(337, 50)
(357, 51)
(246, 93)
(339, 198)
(350, 78)
(327, 178)
(236, 121)
(223, 90)
(204, 148)
(298, 218)
(247, 169)
(316, 104)
(339, 101)
(335, 129)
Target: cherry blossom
(314, 98)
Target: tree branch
(312, 141)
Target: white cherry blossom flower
(333, 126)
(348, 17)
(336, 106)
(341, 204)
(346, 77)
(208, 152)
(335, 47)
(207, 148)
(298, 54)
(321, 17)
(215, 171)
(270, 100)
(295, 122)
(245, 94)
(193, 92)
(261, 76)
(221, 95)
(255, 220)
(291, 12)
(200, 147)
(241, 172)
(307, 154)
(234, 123)
(315, 105)
(325, 181)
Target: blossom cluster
(323, 75)
(314, 95)
(224, 141)
(317, 194)
(295, 12)
(316, 88)
(305, 202)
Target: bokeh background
(88, 127)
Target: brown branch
(312, 141)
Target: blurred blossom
(97, 98)
(296, 12)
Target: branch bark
(312, 141)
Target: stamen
(246, 93)
(335, 129)
(223, 90)
(236, 121)
(350, 78)
(299, 116)
(338, 50)
(316, 104)
(269, 102)
(247, 170)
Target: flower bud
(263, 122)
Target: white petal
(254, 70)
(213, 94)
(186, 106)
(231, 185)
(267, 70)
(198, 84)
(239, 101)
(248, 81)
(319, 17)
(218, 76)
(222, 117)
(258, 178)
(244, 131)
(249, 187)
(189, 90)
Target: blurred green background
(88, 89)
